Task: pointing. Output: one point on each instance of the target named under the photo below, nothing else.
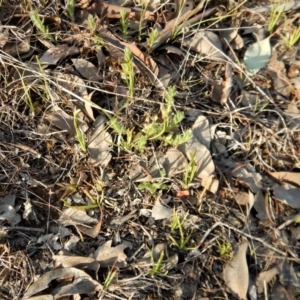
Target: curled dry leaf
(82, 284)
(53, 55)
(174, 162)
(287, 194)
(109, 256)
(248, 175)
(160, 210)
(265, 277)
(227, 36)
(236, 274)
(80, 262)
(99, 144)
(202, 131)
(277, 71)
(72, 216)
(86, 69)
(72, 83)
(221, 89)
(207, 44)
(243, 198)
(287, 177)
(260, 206)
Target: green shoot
(158, 268)
(224, 249)
(128, 71)
(79, 134)
(39, 24)
(152, 187)
(124, 22)
(176, 224)
(152, 38)
(190, 171)
(276, 13)
(92, 24)
(70, 7)
(109, 278)
(164, 130)
(27, 97)
(141, 21)
(293, 38)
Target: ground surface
(149, 150)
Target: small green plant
(277, 10)
(124, 22)
(128, 71)
(152, 38)
(39, 24)
(190, 171)
(109, 278)
(70, 7)
(141, 20)
(176, 224)
(27, 97)
(152, 187)
(225, 249)
(292, 38)
(164, 129)
(92, 23)
(158, 268)
(79, 134)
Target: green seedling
(152, 187)
(39, 24)
(70, 8)
(157, 130)
(125, 135)
(158, 268)
(164, 130)
(79, 134)
(277, 10)
(27, 96)
(176, 224)
(190, 171)
(92, 24)
(109, 278)
(124, 22)
(141, 20)
(292, 38)
(128, 72)
(225, 249)
(152, 38)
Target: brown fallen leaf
(207, 44)
(53, 55)
(81, 262)
(142, 61)
(236, 274)
(221, 89)
(183, 21)
(111, 11)
(277, 71)
(83, 283)
(108, 256)
(287, 177)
